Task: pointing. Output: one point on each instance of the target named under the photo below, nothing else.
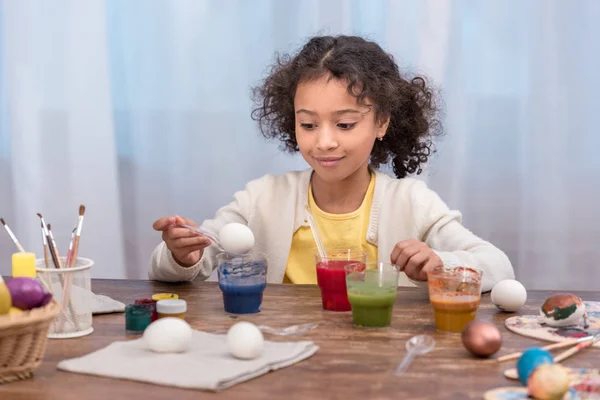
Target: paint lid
(164, 296)
(171, 306)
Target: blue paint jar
(242, 280)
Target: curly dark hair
(370, 73)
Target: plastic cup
(331, 277)
(372, 292)
(242, 279)
(454, 293)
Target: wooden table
(351, 362)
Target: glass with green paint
(372, 291)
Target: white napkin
(83, 298)
(102, 304)
(207, 365)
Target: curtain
(140, 109)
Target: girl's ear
(382, 127)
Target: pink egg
(549, 382)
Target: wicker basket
(23, 339)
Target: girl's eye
(308, 127)
(346, 126)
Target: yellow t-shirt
(338, 231)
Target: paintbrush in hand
(12, 236)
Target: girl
(342, 103)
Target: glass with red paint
(331, 277)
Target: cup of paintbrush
(74, 250)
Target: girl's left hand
(415, 258)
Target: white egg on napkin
(168, 335)
(245, 341)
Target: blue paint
(242, 297)
(242, 283)
(530, 360)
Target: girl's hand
(186, 245)
(415, 258)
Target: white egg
(245, 341)
(168, 335)
(236, 238)
(509, 295)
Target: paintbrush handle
(74, 252)
(46, 256)
(55, 259)
(573, 350)
(559, 345)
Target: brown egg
(481, 338)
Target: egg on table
(509, 295)
(481, 338)
(168, 335)
(236, 238)
(548, 382)
(245, 341)
(530, 360)
(563, 309)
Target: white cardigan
(273, 208)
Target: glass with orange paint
(455, 294)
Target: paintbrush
(559, 345)
(77, 236)
(45, 244)
(70, 251)
(73, 261)
(53, 254)
(12, 236)
(51, 235)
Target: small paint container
(137, 317)
(171, 308)
(151, 303)
(164, 296)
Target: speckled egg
(563, 310)
(530, 360)
(509, 295)
(549, 382)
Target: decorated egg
(563, 310)
(168, 335)
(236, 238)
(530, 360)
(481, 338)
(245, 340)
(549, 382)
(509, 295)
(5, 299)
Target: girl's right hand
(186, 245)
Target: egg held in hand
(168, 335)
(236, 238)
(245, 341)
(509, 295)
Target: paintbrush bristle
(39, 215)
(81, 210)
(49, 227)
(2, 220)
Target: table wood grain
(350, 363)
